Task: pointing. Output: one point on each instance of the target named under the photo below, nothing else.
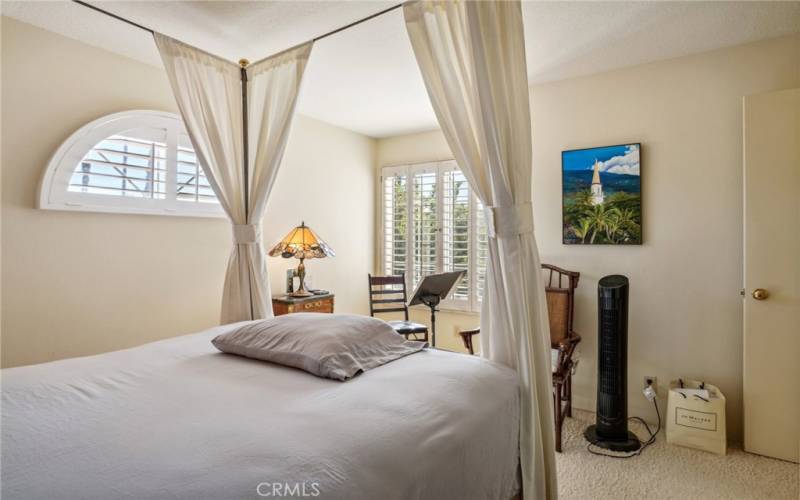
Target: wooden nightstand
(286, 304)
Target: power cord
(645, 444)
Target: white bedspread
(178, 419)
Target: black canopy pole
(245, 161)
(315, 39)
(119, 18)
(355, 23)
(246, 167)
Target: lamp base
(301, 275)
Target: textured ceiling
(365, 78)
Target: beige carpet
(665, 472)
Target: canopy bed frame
(471, 57)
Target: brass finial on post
(244, 63)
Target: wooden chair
(388, 294)
(560, 286)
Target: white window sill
(446, 309)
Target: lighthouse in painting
(597, 188)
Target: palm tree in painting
(612, 226)
(582, 231)
(599, 218)
(627, 219)
(628, 227)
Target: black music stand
(432, 290)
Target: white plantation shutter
(456, 229)
(432, 222)
(191, 184)
(424, 222)
(132, 165)
(395, 221)
(142, 163)
(481, 254)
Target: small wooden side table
(286, 304)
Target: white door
(772, 274)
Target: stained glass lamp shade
(302, 243)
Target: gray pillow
(336, 346)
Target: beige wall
(82, 283)
(685, 309)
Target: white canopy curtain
(208, 90)
(472, 58)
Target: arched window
(130, 162)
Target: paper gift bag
(696, 416)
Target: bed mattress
(178, 419)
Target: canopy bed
(179, 419)
(82, 422)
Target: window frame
(470, 305)
(54, 193)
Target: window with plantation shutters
(456, 228)
(395, 223)
(432, 222)
(424, 223)
(129, 162)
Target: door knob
(760, 294)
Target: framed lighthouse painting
(602, 195)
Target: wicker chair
(560, 286)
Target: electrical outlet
(649, 380)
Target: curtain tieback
(510, 220)
(246, 234)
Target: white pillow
(336, 346)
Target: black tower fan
(611, 426)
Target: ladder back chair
(387, 294)
(560, 286)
